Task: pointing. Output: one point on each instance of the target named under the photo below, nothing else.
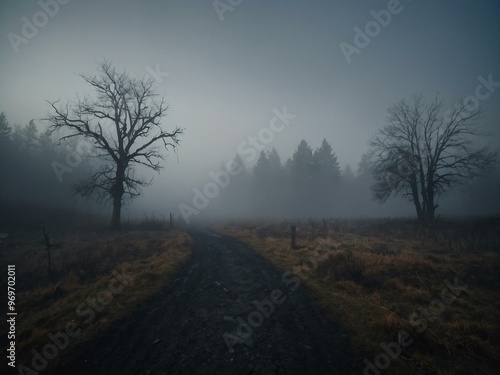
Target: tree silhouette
(4, 126)
(326, 169)
(275, 166)
(269, 182)
(423, 152)
(261, 169)
(26, 137)
(302, 162)
(123, 121)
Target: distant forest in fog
(36, 169)
(308, 184)
(311, 184)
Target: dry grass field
(430, 297)
(97, 278)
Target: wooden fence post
(48, 245)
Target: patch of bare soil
(229, 312)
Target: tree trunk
(431, 207)
(117, 210)
(430, 211)
(416, 199)
(117, 194)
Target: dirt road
(229, 312)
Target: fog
(229, 71)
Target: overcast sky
(228, 69)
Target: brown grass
(84, 267)
(371, 278)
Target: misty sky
(226, 76)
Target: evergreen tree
(302, 163)
(26, 137)
(302, 191)
(274, 160)
(326, 167)
(261, 169)
(278, 185)
(4, 126)
(261, 191)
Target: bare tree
(424, 151)
(123, 122)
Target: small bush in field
(341, 266)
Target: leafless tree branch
(424, 151)
(123, 121)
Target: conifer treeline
(34, 168)
(309, 183)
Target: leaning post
(48, 245)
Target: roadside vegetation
(98, 277)
(382, 278)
